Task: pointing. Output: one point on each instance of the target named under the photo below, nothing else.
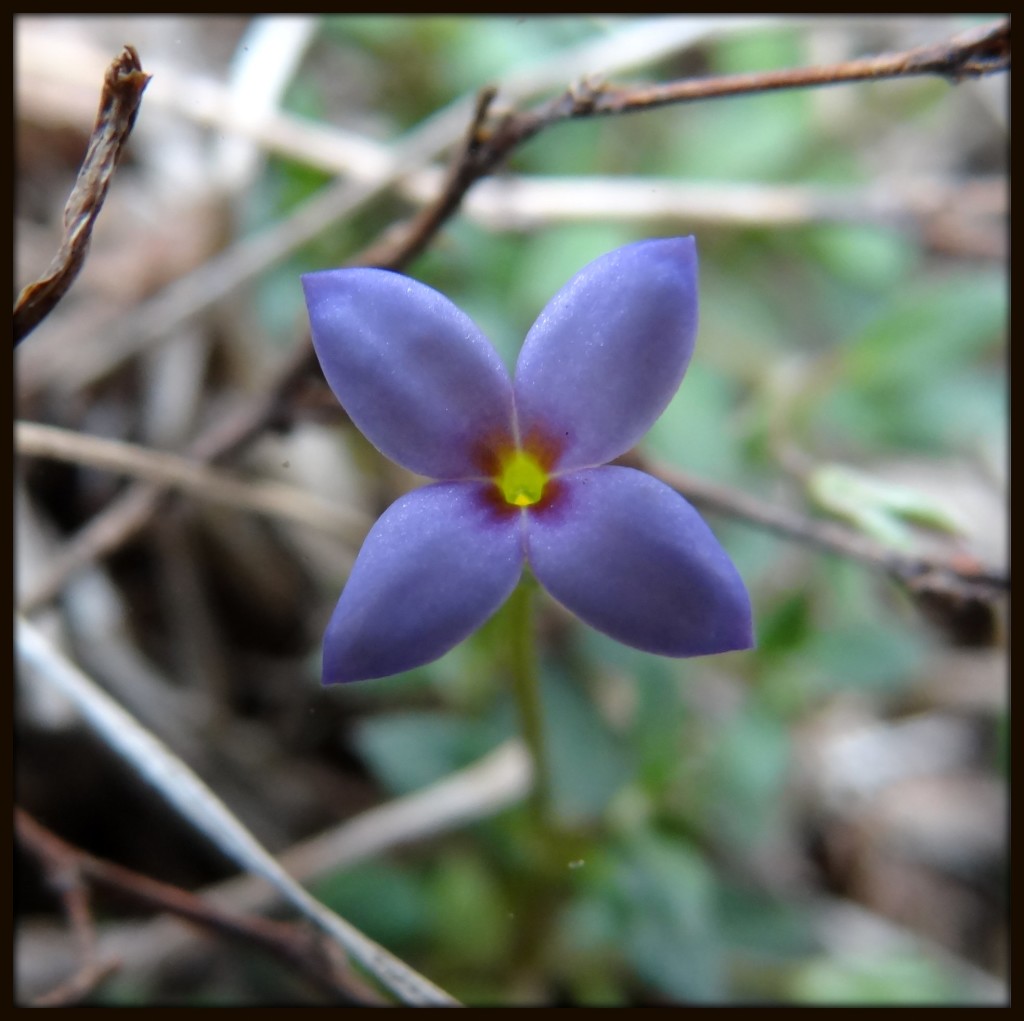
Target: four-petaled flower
(522, 463)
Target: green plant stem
(526, 682)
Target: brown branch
(123, 85)
(957, 594)
(978, 52)
(491, 784)
(413, 237)
(972, 54)
(188, 475)
(66, 880)
(70, 868)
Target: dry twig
(65, 877)
(957, 594)
(293, 944)
(971, 54)
(493, 783)
(123, 86)
(270, 498)
(154, 762)
(979, 52)
(969, 580)
(975, 53)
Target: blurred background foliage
(755, 827)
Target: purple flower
(522, 463)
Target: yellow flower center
(521, 479)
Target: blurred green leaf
(488, 48)
(876, 506)
(409, 750)
(890, 979)
(753, 922)
(929, 329)
(589, 950)
(552, 257)
(863, 256)
(773, 47)
(470, 922)
(658, 722)
(917, 375)
(588, 763)
(742, 325)
(874, 657)
(763, 138)
(388, 903)
(665, 895)
(786, 625)
(744, 775)
(696, 431)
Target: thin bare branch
(493, 144)
(982, 51)
(498, 780)
(957, 594)
(71, 64)
(181, 301)
(115, 525)
(972, 54)
(123, 86)
(416, 236)
(295, 945)
(185, 791)
(197, 479)
(530, 201)
(65, 878)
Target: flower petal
(435, 566)
(609, 351)
(633, 559)
(413, 372)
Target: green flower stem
(526, 678)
